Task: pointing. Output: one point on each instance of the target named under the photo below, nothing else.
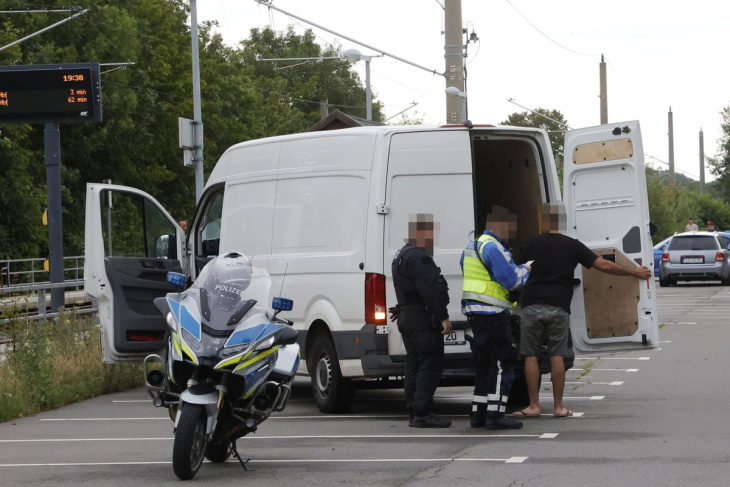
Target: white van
(325, 213)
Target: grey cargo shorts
(541, 322)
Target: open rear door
(607, 206)
(131, 243)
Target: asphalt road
(654, 418)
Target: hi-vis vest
(478, 284)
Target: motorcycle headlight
(171, 321)
(265, 344)
(194, 344)
(228, 351)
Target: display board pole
(52, 142)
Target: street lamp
(353, 55)
(454, 91)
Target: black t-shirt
(551, 278)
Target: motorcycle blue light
(176, 279)
(282, 304)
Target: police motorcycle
(229, 361)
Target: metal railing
(35, 300)
(19, 272)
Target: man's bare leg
(557, 375)
(532, 377)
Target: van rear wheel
(332, 392)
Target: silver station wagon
(695, 256)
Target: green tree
(137, 142)
(552, 121)
(720, 164)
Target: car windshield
(693, 243)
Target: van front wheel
(332, 392)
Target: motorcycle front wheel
(189, 446)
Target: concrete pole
(454, 58)
(702, 162)
(197, 110)
(52, 143)
(671, 144)
(368, 93)
(323, 108)
(604, 93)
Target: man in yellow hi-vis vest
(489, 276)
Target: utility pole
(454, 58)
(671, 145)
(702, 162)
(604, 94)
(197, 110)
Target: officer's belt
(413, 307)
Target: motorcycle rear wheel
(189, 446)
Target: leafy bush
(51, 364)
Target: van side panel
(430, 172)
(318, 235)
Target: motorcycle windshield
(224, 302)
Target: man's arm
(609, 267)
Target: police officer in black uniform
(422, 317)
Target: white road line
(295, 437)
(133, 400)
(605, 370)
(590, 398)
(252, 461)
(614, 383)
(336, 417)
(613, 358)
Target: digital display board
(50, 93)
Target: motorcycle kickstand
(238, 457)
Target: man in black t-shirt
(546, 301)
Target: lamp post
(454, 91)
(353, 55)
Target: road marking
(607, 370)
(613, 358)
(296, 437)
(302, 460)
(590, 398)
(614, 383)
(335, 417)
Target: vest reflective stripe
(478, 284)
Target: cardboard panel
(611, 301)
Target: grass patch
(51, 364)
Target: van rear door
(131, 243)
(431, 172)
(604, 186)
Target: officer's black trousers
(494, 376)
(424, 360)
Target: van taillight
(719, 257)
(375, 310)
(665, 257)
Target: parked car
(695, 256)
(658, 252)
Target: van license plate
(456, 337)
(693, 260)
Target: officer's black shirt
(422, 281)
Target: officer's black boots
(431, 421)
(503, 423)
